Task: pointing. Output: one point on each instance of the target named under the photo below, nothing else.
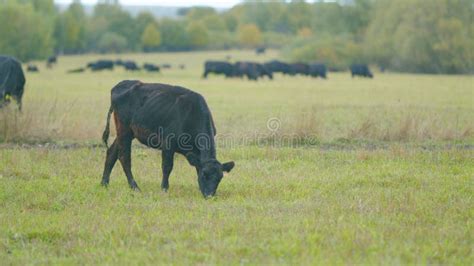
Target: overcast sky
(213, 3)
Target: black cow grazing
(130, 66)
(218, 67)
(248, 69)
(77, 70)
(318, 70)
(101, 65)
(276, 66)
(264, 71)
(260, 50)
(51, 61)
(32, 68)
(170, 118)
(361, 70)
(151, 67)
(299, 69)
(12, 80)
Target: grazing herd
(128, 65)
(254, 71)
(170, 118)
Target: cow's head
(210, 173)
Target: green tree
(151, 38)
(423, 36)
(250, 35)
(24, 33)
(198, 35)
(112, 42)
(70, 29)
(173, 35)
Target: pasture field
(337, 171)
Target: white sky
(213, 3)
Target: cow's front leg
(167, 158)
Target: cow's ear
(193, 159)
(226, 167)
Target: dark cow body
(276, 66)
(299, 69)
(361, 70)
(32, 68)
(318, 70)
(170, 118)
(219, 68)
(51, 61)
(101, 65)
(130, 66)
(260, 50)
(252, 70)
(151, 67)
(12, 80)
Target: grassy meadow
(337, 171)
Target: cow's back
(12, 78)
(159, 108)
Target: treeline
(435, 36)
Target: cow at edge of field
(12, 80)
(51, 61)
(32, 68)
(260, 50)
(276, 66)
(101, 65)
(361, 70)
(299, 68)
(130, 66)
(170, 118)
(218, 67)
(252, 70)
(248, 69)
(151, 67)
(318, 70)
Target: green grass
(386, 179)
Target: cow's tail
(105, 135)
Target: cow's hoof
(164, 189)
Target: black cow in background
(276, 66)
(32, 68)
(130, 66)
(151, 67)
(12, 80)
(318, 70)
(101, 65)
(361, 70)
(51, 61)
(260, 50)
(219, 68)
(299, 69)
(248, 69)
(170, 118)
(263, 71)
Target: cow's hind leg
(125, 157)
(167, 158)
(112, 156)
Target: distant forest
(423, 36)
